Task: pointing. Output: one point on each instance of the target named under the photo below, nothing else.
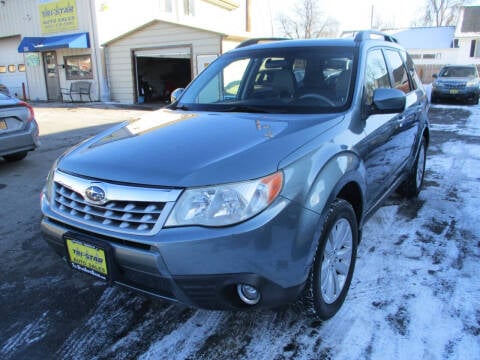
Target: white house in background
(171, 42)
(433, 47)
(467, 35)
(428, 45)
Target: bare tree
(441, 12)
(306, 21)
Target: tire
(15, 157)
(475, 99)
(413, 184)
(332, 269)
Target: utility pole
(371, 18)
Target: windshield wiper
(250, 109)
(183, 107)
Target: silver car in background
(18, 128)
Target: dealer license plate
(454, 91)
(3, 125)
(88, 258)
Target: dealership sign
(57, 16)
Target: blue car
(456, 82)
(252, 188)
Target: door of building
(51, 75)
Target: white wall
(159, 34)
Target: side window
(224, 86)
(400, 74)
(411, 68)
(376, 75)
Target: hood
(183, 149)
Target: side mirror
(388, 101)
(176, 94)
(434, 76)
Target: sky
(356, 14)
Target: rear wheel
(411, 187)
(332, 269)
(15, 157)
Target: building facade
(48, 44)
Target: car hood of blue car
(184, 149)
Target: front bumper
(465, 93)
(201, 267)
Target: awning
(72, 41)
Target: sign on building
(57, 16)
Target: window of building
(12, 68)
(78, 67)
(188, 7)
(3, 69)
(21, 67)
(429, 56)
(475, 48)
(455, 44)
(166, 5)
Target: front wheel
(332, 269)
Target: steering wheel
(317, 97)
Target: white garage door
(12, 66)
(169, 52)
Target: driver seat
(284, 83)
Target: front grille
(455, 85)
(127, 209)
(126, 216)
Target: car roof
(322, 42)
(288, 43)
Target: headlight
(437, 85)
(225, 204)
(48, 189)
(472, 83)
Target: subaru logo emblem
(95, 194)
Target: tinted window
(411, 68)
(400, 75)
(292, 80)
(458, 71)
(376, 74)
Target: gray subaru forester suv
(251, 189)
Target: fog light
(248, 294)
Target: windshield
(286, 80)
(452, 71)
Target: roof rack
(259, 41)
(367, 35)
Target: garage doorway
(160, 71)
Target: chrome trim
(68, 200)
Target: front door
(51, 75)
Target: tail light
(31, 114)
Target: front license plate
(3, 125)
(87, 257)
(453, 91)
